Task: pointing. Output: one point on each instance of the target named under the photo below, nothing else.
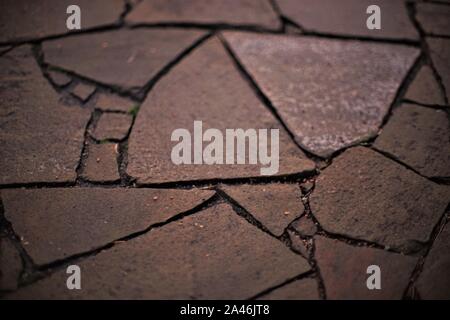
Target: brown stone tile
(59, 79)
(434, 281)
(330, 93)
(419, 137)
(344, 271)
(60, 222)
(124, 58)
(434, 18)
(364, 195)
(101, 164)
(440, 54)
(41, 138)
(23, 19)
(348, 17)
(83, 91)
(10, 265)
(304, 289)
(231, 12)
(305, 226)
(112, 126)
(425, 88)
(214, 254)
(210, 89)
(274, 205)
(110, 102)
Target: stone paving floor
(86, 177)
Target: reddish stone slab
(304, 289)
(59, 79)
(419, 137)
(101, 164)
(230, 12)
(434, 281)
(425, 88)
(330, 93)
(364, 195)
(440, 54)
(83, 91)
(214, 254)
(61, 222)
(305, 226)
(112, 126)
(434, 18)
(10, 265)
(110, 102)
(211, 90)
(124, 58)
(274, 205)
(23, 19)
(41, 138)
(348, 17)
(344, 271)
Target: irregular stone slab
(425, 89)
(123, 58)
(305, 226)
(434, 281)
(330, 93)
(10, 265)
(304, 289)
(77, 220)
(210, 89)
(344, 271)
(367, 196)
(214, 254)
(434, 18)
(231, 12)
(419, 137)
(101, 164)
(348, 17)
(110, 102)
(112, 126)
(59, 79)
(83, 91)
(298, 244)
(274, 205)
(23, 19)
(440, 54)
(41, 138)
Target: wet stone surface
(299, 76)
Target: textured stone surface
(274, 205)
(434, 18)
(434, 281)
(41, 138)
(366, 196)
(59, 79)
(101, 164)
(298, 244)
(419, 137)
(304, 289)
(330, 93)
(112, 102)
(83, 91)
(210, 89)
(104, 57)
(305, 226)
(214, 254)
(425, 88)
(24, 19)
(440, 54)
(231, 12)
(112, 126)
(344, 270)
(82, 219)
(348, 17)
(10, 265)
